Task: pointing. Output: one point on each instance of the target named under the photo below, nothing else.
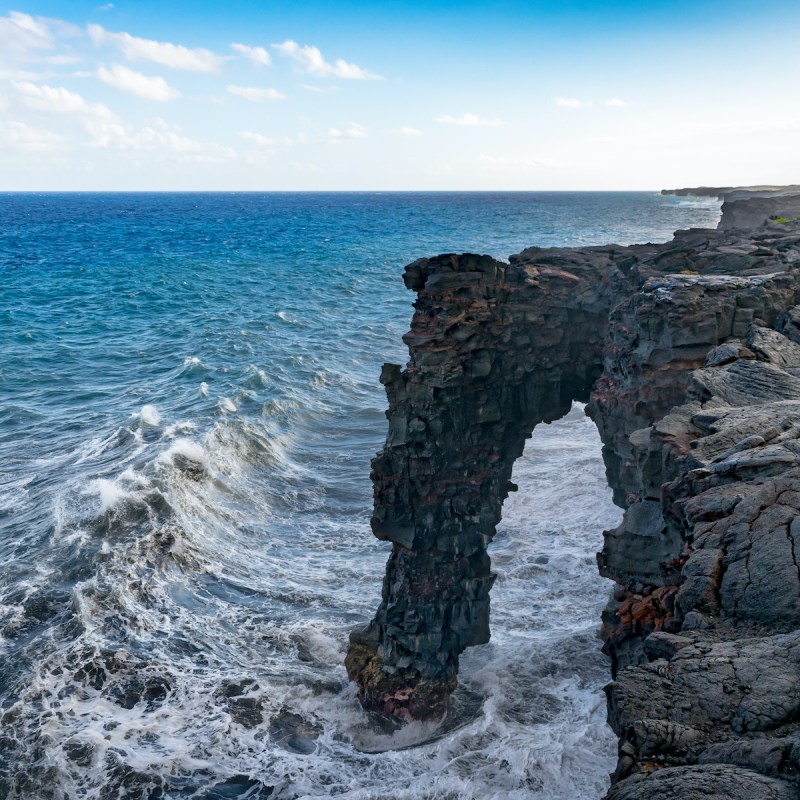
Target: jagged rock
(688, 354)
(707, 692)
(491, 356)
(641, 550)
(715, 782)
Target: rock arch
(689, 355)
(495, 349)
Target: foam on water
(179, 609)
(110, 493)
(149, 415)
(184, 506)
(187, 451)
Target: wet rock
(294, 733)
(244, 702)
(701, 783)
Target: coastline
(676, 347)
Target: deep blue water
(188, 406)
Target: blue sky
(577, 94)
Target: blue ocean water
(188, 406)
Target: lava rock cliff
(688, 355)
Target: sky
(419, 95)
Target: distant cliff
(733, 192)
(688, 354)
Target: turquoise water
(188, 406)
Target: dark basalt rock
(701, 783)
(688, 354)
(750, 212)
(698, 191)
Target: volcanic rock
(688, 354)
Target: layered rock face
(495, 349)
(746, 212)
(689, 356)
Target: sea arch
(495, 349)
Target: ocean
(189, 402)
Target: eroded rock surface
(689, 356)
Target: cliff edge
(688, 355)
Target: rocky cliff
(688, 354)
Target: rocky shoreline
(688, 354)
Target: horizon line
(319, 191)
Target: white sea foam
(227, 405)
(528, 720)
(185, 450)
(182, 427)
(149, 415)
(134, 478)
(110, 494)
(194, 366)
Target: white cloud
(569, 102)
(23, 35)
(26, 24)
(258, 55)
(107, 131)
(264, 141)
(469, 120)
(20, 136)
(58, 100)
(309, 59)
(355, 131)
(615, 102)
(105, 7)
(146, 86)
(255, 94)
(407, 131)
(171, 55)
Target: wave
(199, 644)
